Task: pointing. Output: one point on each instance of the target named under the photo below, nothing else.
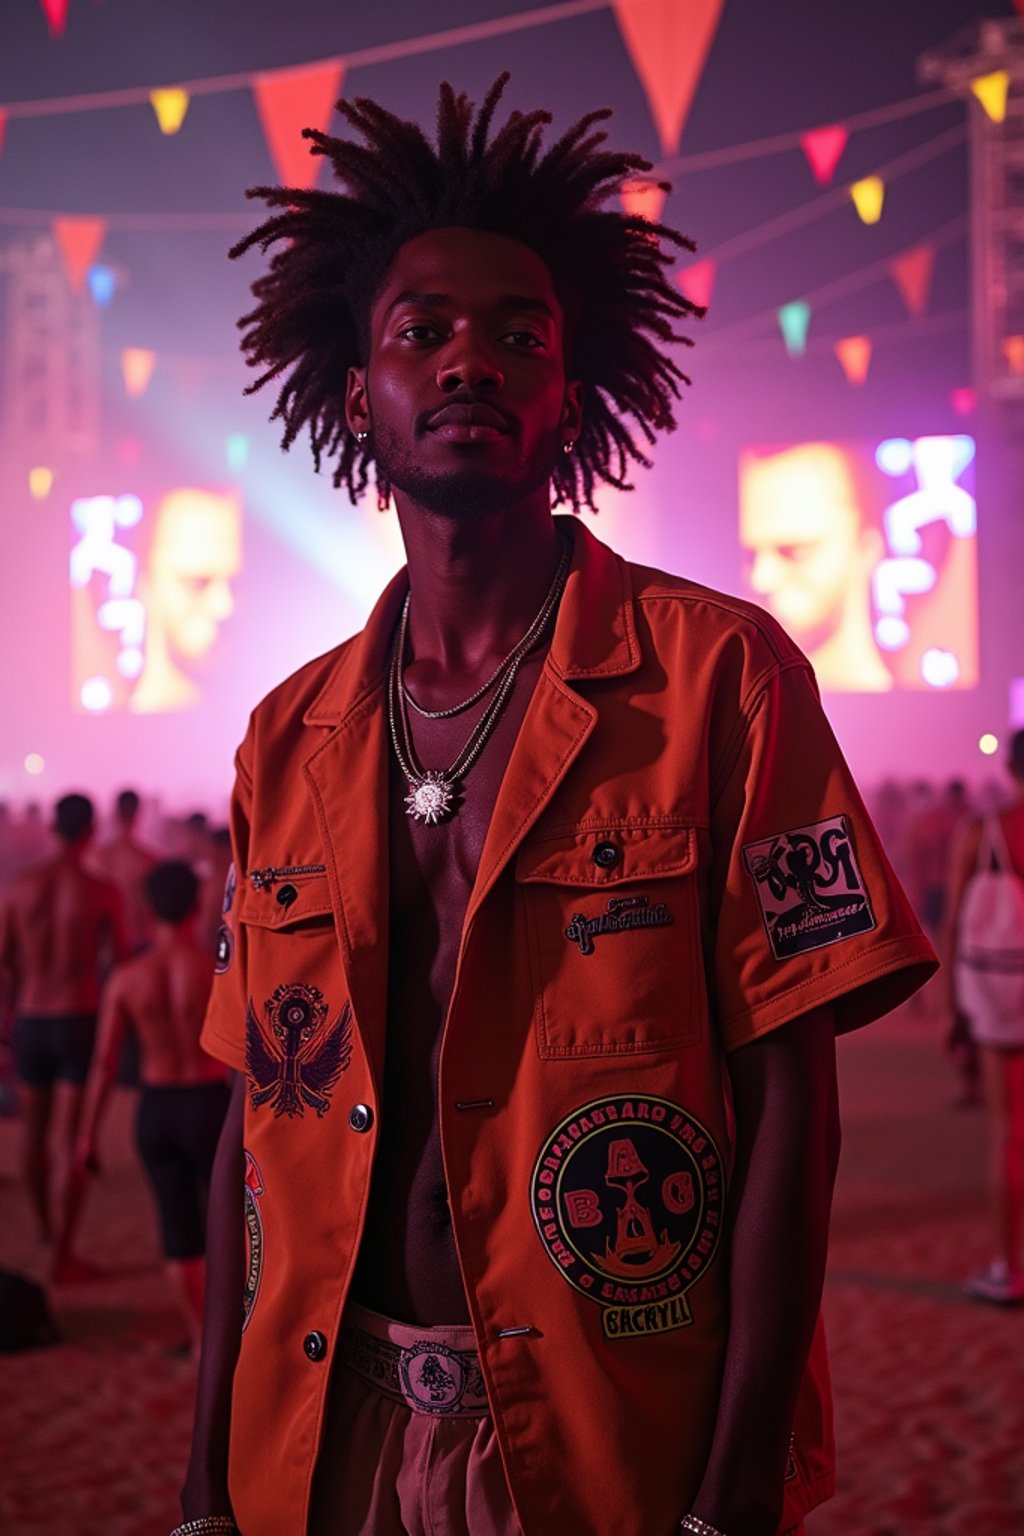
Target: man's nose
(469, 362)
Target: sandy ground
(929, 1387)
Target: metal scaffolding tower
(50, 358)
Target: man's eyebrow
(510, 301)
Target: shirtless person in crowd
(126, 862)
(58, 926)
(160, 997)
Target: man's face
(196, 554)
(801, 530)
(465, 394)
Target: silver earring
(568, 446)
(361, 437)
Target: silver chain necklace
(433, 792)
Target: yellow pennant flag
(137, 364)
(854, 352)
(170, 106)
(991, 90)
(868, 198)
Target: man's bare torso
(163, 995)
(407, 1265)
(63, 922)
(124, 862)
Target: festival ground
(929, 1387)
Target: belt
(426, 1374)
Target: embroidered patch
(253, 1237)
(627, 1198)
(225, 950)
(810, 887)
(296, 1059)
(622, 914)
(230, 886)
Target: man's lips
(468, 420)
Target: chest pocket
(290, 937)
(612, 918)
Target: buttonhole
(474, 1103)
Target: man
(126, 862)
(59, 925)
(811, 557)
(160, 998)
(533, 877)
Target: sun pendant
(431, 800)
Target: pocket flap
(286, 902)
(608, 855)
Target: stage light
(40, 482)
(96, 695)
(34, 763)
(989, 744)
(102, 282)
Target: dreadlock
(311, 321)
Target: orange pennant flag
(854, 352)
(823, 148)
(137, 364)
(287, 102)
(668, 41)
(79, 241)
(698, 282)
(56, 13)
(643, 199)
(912, 273)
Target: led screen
(151, 585)
(866, 554)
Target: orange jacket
(677, 862)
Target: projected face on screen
(865, 554)
(151, 587)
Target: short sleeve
(806, 909)
(223, 1034)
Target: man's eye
(525, 339)
(418, 332)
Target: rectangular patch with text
(810, 887)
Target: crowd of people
(106, 958)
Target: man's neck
(477, 584)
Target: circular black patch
(627, 1196)
(225, 950)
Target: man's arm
(787, 1149)
(113, 1026)
(205, 1491)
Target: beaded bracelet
(696, 1527)
(207, 1525)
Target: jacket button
(606, 855)
(315, 1345)
(286, 895)
(360, 1117)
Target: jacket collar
(595, 634)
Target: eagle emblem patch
(294, 1060)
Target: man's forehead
(448, 266)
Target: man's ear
(572, 410)
(357, 401)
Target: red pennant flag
(912, 273)
(854, 352)
(643, 199)
(698, 282)
(823, 147)
(56, 13)
(668, 43)
(3, 126)
(288, 102)
(79, 241)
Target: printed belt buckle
(433, 1377)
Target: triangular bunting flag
(170, 106)
(912, 274)
(991, 90)
(137, 364)
(869, 198)
(56, 13)
(963, 400)
(79, 241)
(823, 148)
(288, 102)
(3, 125)
(854, 352)
(698, 282)
(643, 199)
(1013, 351)
(668, 42)
(794, 320)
